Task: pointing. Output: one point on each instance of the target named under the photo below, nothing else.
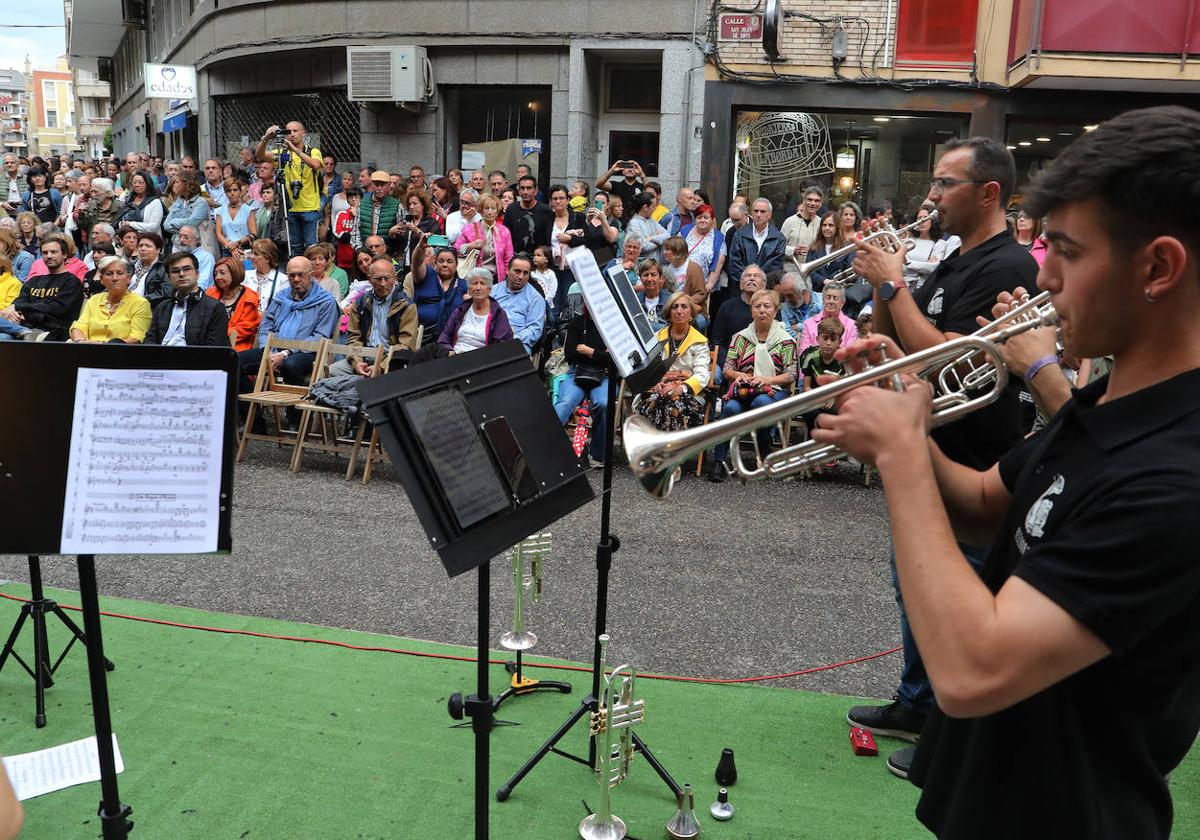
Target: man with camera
(300, 166)
(628, 188)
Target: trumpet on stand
(611, 726)
(519, 639)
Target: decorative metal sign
(783, 146)
(734, 26)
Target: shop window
(870, 159)
(936, 31)
(1035, 144)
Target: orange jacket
(244, 320)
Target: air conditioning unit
(133, 13)
(388, 74)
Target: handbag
(468, 263)
(589, 375)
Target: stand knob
(455, 705)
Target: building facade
(52, 110)
(93, 102)
(567, 85)
(14, 116)
(861, 103)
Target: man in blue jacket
(304, 312)
(524, 306)
(759, 243)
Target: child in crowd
(819, 361)
(547, 280)
(346, 231)
(579, 193)
(865, 324)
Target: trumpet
(536, 547)
(654, 456)
(611, 726)
(892, 239)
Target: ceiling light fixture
(1024, 143)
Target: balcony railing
(1104, 27)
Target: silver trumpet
(654, 456)
(536, 547)
(888, 237)
(612, 724)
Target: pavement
(719, 580)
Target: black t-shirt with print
(811, 364)
(962, 287)
(626, 192)
(1102, 522)
(42, 205)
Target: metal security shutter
(331, 120)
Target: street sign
(737, 26)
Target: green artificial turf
(229, 736)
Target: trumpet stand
(520, 639)
(607, 545)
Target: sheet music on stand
(615, 309)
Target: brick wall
(807, 43)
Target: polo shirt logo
(1039, 511)
(935, 303)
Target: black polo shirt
(963, 286)
(1103, 522)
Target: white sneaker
(35, 335)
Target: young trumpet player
(1067, 678)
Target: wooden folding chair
(375, 450)
(271, 393)
(328, 415)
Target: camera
(295, 187)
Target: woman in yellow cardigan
(117, 316)
(677, 401)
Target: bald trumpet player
(1068, 678)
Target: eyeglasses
(292, 275)
(380, 277)
(180, 269)
(940, 185)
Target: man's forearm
(1051, 389)
(947, 604)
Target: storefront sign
(529, 147)
(739, 27)
(170, 81)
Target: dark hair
(639, 201)
(445, 184)
(352, 192)
(654, 185)
(830, 327)
(520, 255)
(152, 237)
(151, 182)
(558, 188)
(180, 256)
(525, 178)
(1158, 149)
(990, 161)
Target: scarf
(763, 364)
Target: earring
(1149, 296)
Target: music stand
(482, 457)
(636, 356)
(54, 455)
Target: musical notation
(144, 473)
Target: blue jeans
(12, 332)
(914, 691)
(302, 230)
(732, 407)
(571, 395)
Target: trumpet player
(1068, 677)
(971, 185)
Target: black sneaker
(899, 761)
(894, 720)
(717, 472)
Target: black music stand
(35, 454)
(484, 462)
(36, 609)
(623, 323)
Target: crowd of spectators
(142, 250)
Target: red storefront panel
(1163, 27)
(936, 30)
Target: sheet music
(622, 341)
(144, 472)
(56, 768)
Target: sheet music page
(144, 471)
(56, 768)
(605, 311)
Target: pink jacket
(73, 265)
(809, 334)
(501, 238)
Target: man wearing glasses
(466, 214)
(303, 312)
(189, 317)
(972, 184)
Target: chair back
(266, 382)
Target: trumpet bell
(591, 828)
(515, 641)
(641, 440)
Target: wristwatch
(888, 290)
